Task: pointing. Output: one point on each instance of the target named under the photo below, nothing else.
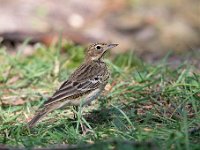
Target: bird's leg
(83, 125)
(76, 111)
(84, 129)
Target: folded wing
(85, 79)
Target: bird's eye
(98, 47)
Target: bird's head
(97, 50)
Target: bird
(83, 86)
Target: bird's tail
(37, 117)
(41, 113)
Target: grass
(145, 104)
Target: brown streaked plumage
(83, 86)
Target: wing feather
(85, 79)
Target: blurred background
(151, 28)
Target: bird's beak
(111, 46)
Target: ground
(144, 105)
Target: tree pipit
(83, 86)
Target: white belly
(85, 100)
(92, 96)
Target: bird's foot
(85, 129)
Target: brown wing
(85, 79)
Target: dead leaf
(147, 129)
(108, 87)
(56, 67)
(12, 100)
(13, 80)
